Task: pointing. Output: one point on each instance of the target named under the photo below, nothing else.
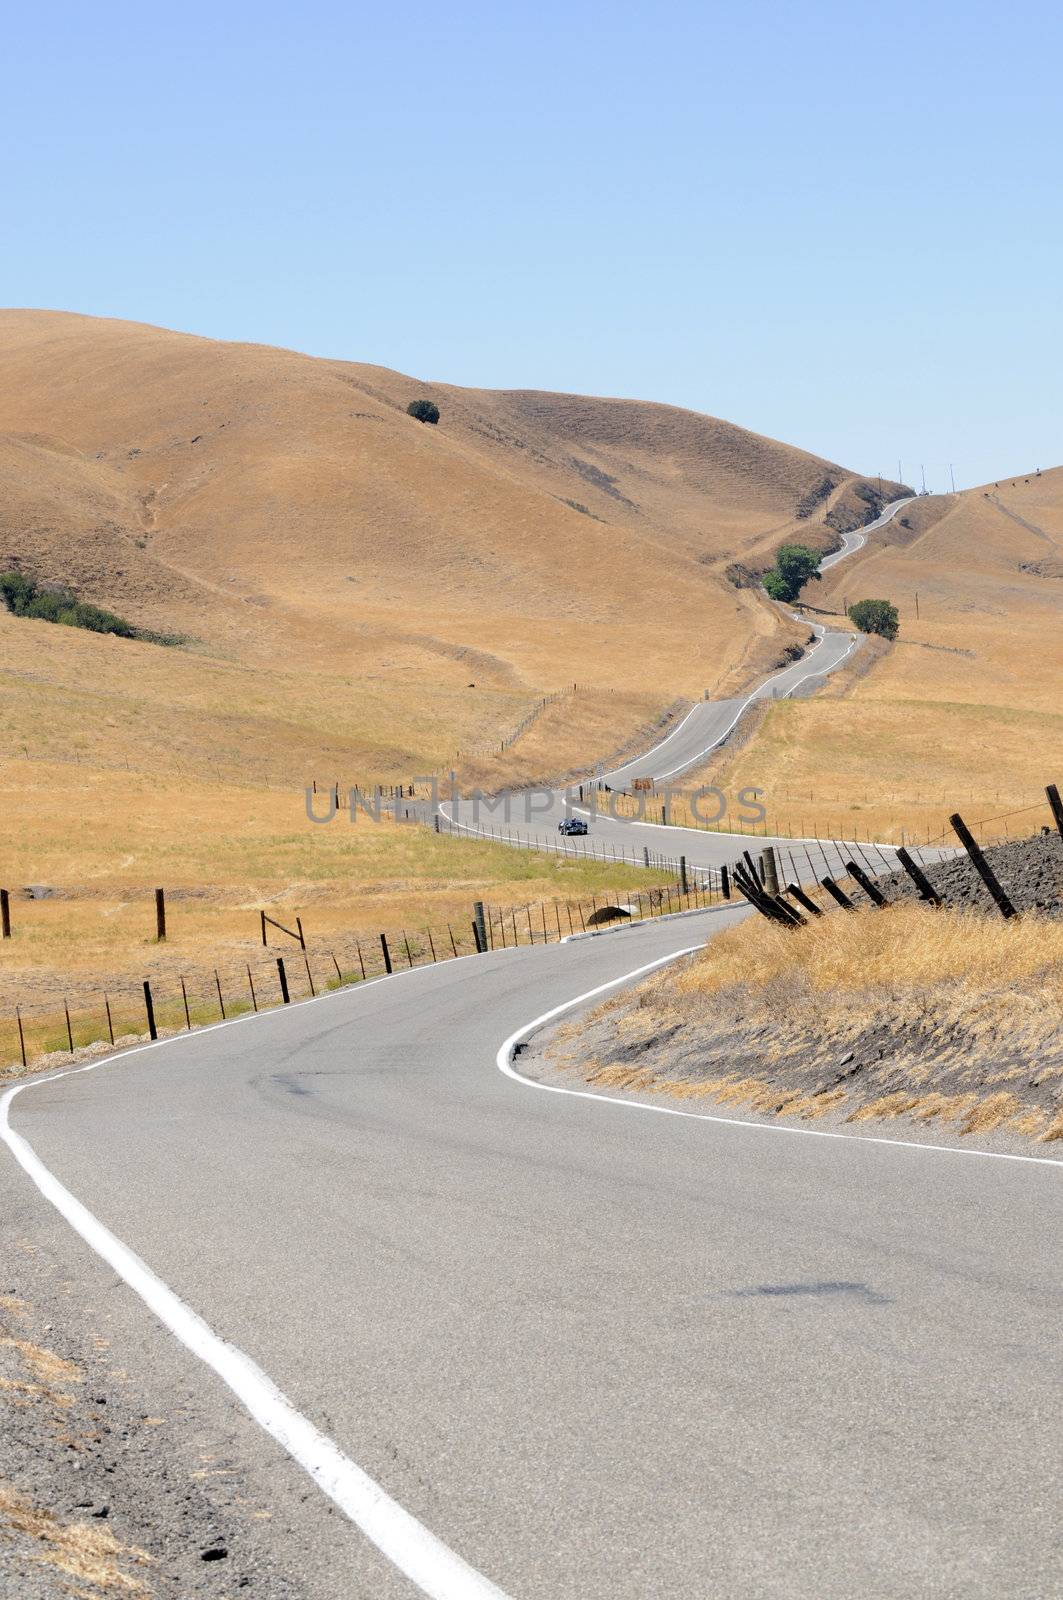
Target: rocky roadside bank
(950, 1057)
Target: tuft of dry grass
(85, 1552)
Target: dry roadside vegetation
(946, 1019)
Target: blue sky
(837, 224)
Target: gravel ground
(1030, 871)
(118, 1476)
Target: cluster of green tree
(794, 566)
(876, 616)
(24, 597)
(423, 410)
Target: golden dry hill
(285, 512)
(361, 596)
(965, 710)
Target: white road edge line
(431, 1565)
(504, 1062)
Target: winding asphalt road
(594, 1350)
(552, 1346)
(531, 820)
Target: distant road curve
(709, 722)
(704, 728)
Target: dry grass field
(964, 711)
(361, 598)
(223, 852)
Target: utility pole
(900, 478)
(922, 472)
(917, 605)
(952, 478)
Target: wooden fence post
(919, 878)
(387, 954)
(5, 913)
(22, 1036)
(803, 899)
(775, 909)
(150, 1009)
(1054, 801)
(837, 894)
(283, 976)
(481, 930)
(871, 889)
(221, 1002)
(981, 865)
(769, 874)
(160, 916)
(683, 884)
(262, 916)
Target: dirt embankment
(102, 1495)
(950, 1020)
(1030, 871)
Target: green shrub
(24, 597)
(876, 616)
(423, 410)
